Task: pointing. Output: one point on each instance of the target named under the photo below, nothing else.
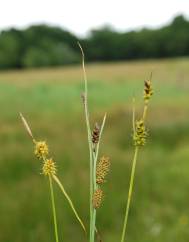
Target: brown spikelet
(95, 134)
(102, 169)
(148, 91)
(97, 198)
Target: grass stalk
(69, 201)
(134, 161)
(95, 158)
(53, 209)
(129, 193)
(89, 141)
(145, 111)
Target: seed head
(41, 149)
(148, 91)
(140, 133)
(95, 134)
(97, 198)
(102, 169)
(49, 167)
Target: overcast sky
(79, 16)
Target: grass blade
(53, 209)
(69, 201)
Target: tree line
(43, 45)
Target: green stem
(89, 139)
(133, 171)
(145, 111)
(95, 158)
(53, 209)
(93, 226)
(69, 201)
(93, 155)
(129, 193)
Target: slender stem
(96, 152)
(133, 121)
(89, 139)
(94, 188)
(93, 226)
(129, 193)
(53, 209)
(132, 172)
(69, 201)
(93, 155)
(145, 111)
(95, 158)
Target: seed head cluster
(148, 91)
(96, 134)
(41, 149)
(49, 167)
(97, 198)
(140, 133)
(102, 169)
(42, 152)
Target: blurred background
(41, 76)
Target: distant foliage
(51, 55)
(42, 45)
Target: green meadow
(50, 99)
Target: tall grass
(94, 139)
(139, 140)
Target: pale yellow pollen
(49, 167)
(41, 149)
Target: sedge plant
(49, 170)
(139, 139)
(98, 170)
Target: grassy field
(50, 100)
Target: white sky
(79, 16)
